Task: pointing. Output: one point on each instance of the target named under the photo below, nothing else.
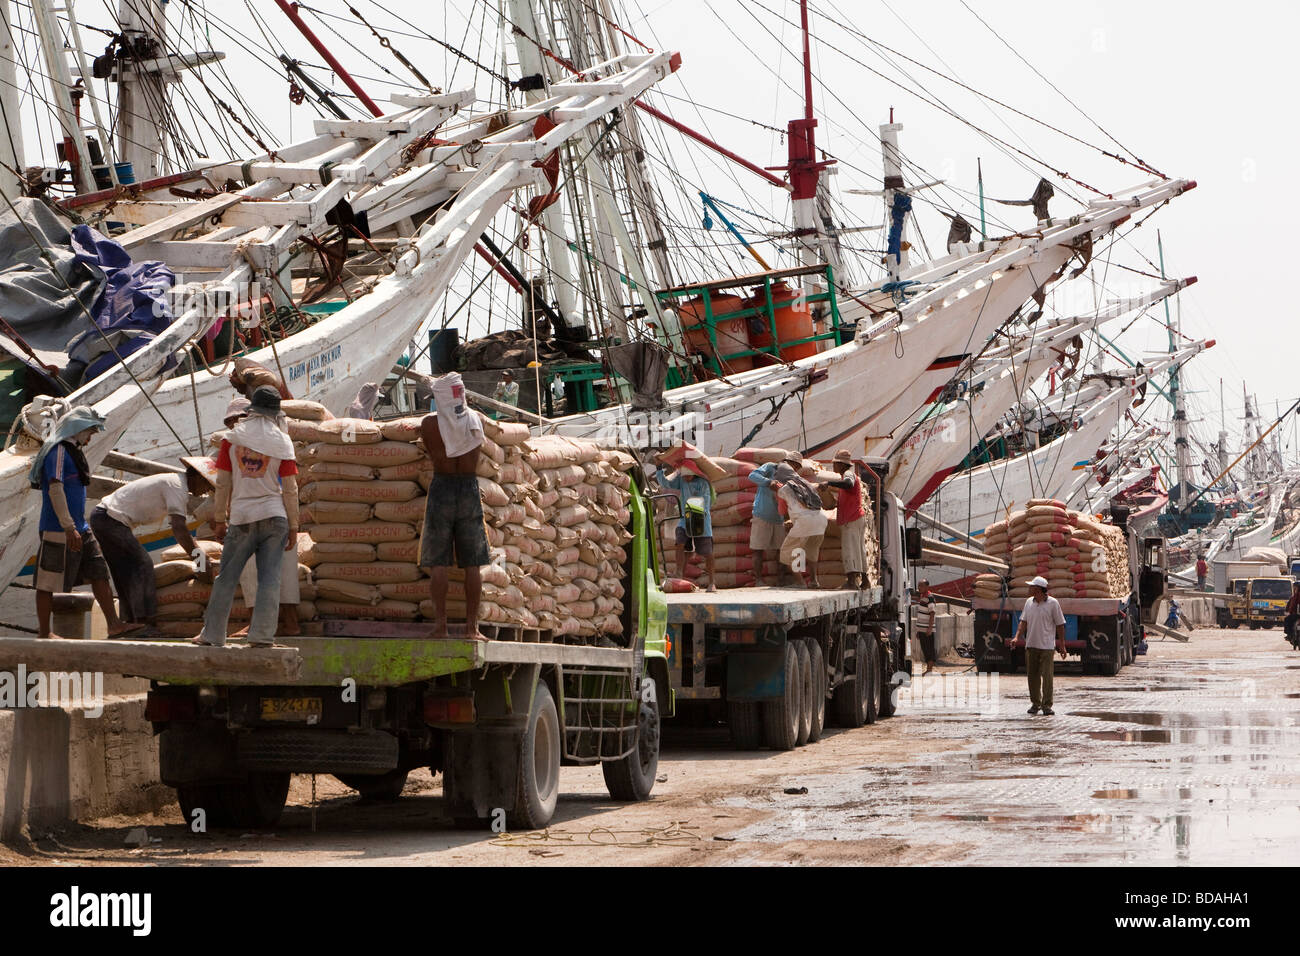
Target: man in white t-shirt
(145, 503)
(1042, 626)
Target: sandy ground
(1190, 756)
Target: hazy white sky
(1193, 88)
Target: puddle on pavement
(1214, 727)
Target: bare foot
(51, 636)
(473, 634)
(439, 632)
(122, 629)
(241, 634)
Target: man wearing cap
(68, 554)
(697, 496)
(851, 517)
(145, 503)
(256, 514)
(1042, 627)
(923, 618)
(507, 390)
(767, 529)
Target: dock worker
(851, 518)
(694, 532)
(363, 406)
(507, 390)
(1042, 627)
(1202, 572)
(144, 503)
(923, 618)
(256, 514)
(453, 512)
(803, 543)
(767, 529)
(68, 554)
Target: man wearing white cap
(1042, 626)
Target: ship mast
(11, 143)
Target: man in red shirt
(256, 514)
(1202, 570)
(851, 518)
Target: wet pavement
(1186, 757)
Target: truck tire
(871, 690)
(380, 788)
(818, 692)
(805, 692)
(850, 696)
(781, 717)
(206, 797)
(538, 787)
(745, 724)
(633, 777)
(888, 705)
(258, 802)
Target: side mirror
(912, 543)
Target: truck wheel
(818, 692)
(850, 697)
(888, 707)
(871, 690)
(205, 797)
(805, 692)
(381, 788)
(538, 788)
(258, 802)
(781, 717)
(745, 724)
(633, 777)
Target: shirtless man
(453, 515)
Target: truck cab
(1266, 600)
(1233, 613)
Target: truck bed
(307, 661)
(754, 606)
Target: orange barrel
(794, 320)
(731, 334)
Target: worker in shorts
(453, 512)
(802, 546)
(923, 621)
(767, 529)
(1042, 627)
(851, 518)
(68, 554)
(694, 531)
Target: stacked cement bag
(733, 511)
(1077, 554)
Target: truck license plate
(307, 710)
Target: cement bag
(170, 573)
(337, 470)
(369, 491)
(414, 591)
(348, 592)
(403, 551)
(742, 500)
(374, 572)
(486, 468)
(319, 552)
(492, 494)
(516, 472)
(335, 512)
(339, 431)
(505, 433)
(402, 429)
(181, 612)
(761, 456)
(410, 471)
(385, 610)
(303, 410)
(371, 532)
(177, 553)
(306, 610)
(381, 454)
(186, 592)
(411, 511)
